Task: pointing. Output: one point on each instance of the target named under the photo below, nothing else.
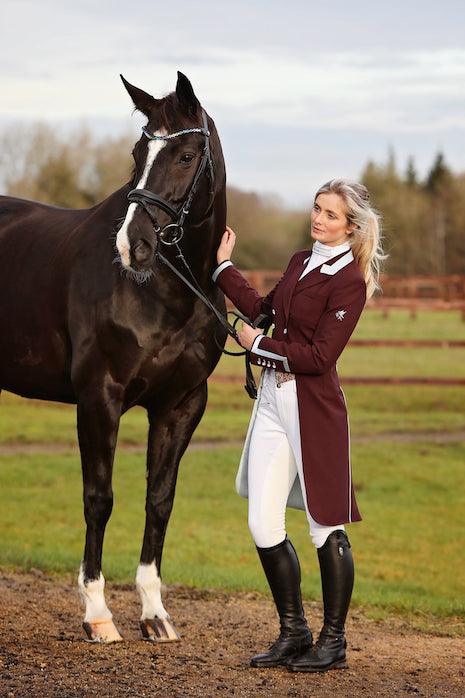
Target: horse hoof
(159, 630)
(103, 631)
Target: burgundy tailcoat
(313, 321)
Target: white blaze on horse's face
(122, 240)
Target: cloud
(356, 90)
(309, 89)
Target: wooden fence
(414, 294)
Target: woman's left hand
(247, 335)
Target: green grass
(395, 361)
(428, 324)
(407, 549)
(401, 362)
(372, 409)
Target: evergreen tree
(423, 223)
(411, 177)
(439, 176)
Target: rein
(172, 233)
(250, 385)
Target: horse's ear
(185, 94)
(142, 100)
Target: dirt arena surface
(43, 652)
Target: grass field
(412, 494)
(407, 548)
(373, 410)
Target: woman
(297, 450)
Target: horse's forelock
(173, 117)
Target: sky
(300, 91)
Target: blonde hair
(365, 237)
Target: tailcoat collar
(320, 275)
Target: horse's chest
(163, 355)
(169, 371)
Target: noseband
(173, 232)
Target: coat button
(285, 330)
(273, 311)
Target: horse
(81, 326)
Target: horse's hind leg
(169, 436)
(98, 413)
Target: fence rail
(414, 294)
(364, 380)
(426, 288)
(413, 343)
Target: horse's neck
(202, 244)
(117, 202)
(197, 250)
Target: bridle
(172, 233)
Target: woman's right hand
(226, 245)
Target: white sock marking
(122, 240)
(148, 585)
(93, 598)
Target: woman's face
(329, 222)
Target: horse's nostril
(142, 251)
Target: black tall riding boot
(337, 581)
(282, 571)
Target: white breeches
(275, 458)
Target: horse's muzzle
(142, 254)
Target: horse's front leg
(98, 413)
(169, 436)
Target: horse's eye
(187, 157)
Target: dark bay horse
(78, 328)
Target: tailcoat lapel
(320, 275)
(290, 285)
(312, 278)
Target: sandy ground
(43, 652)
(18, 447)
